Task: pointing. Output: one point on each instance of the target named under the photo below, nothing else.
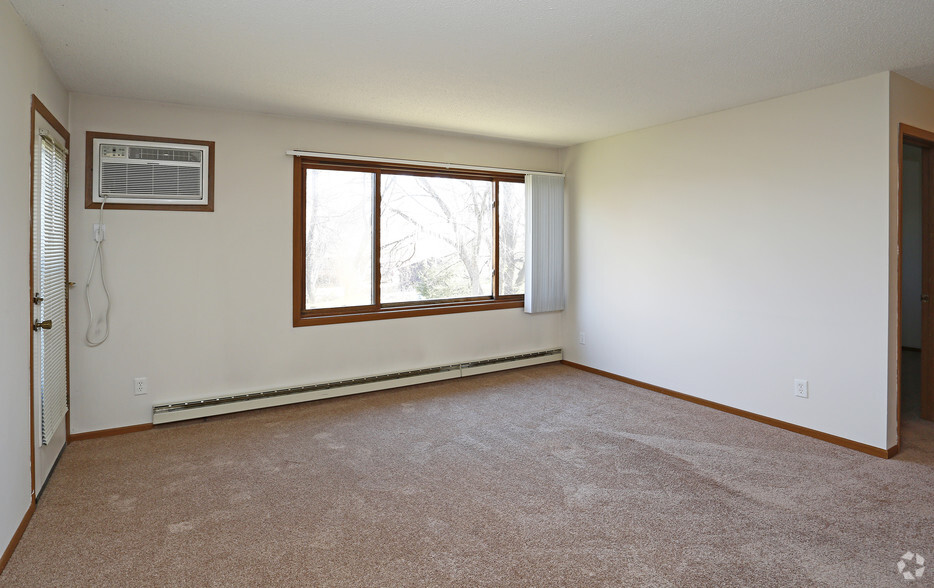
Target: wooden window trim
(302, 317)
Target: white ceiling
(545, 71)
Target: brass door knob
(47, 324)
(924, 298)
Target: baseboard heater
(193, 409)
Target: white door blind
(53, 283)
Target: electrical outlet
(801, 388)
(139, 386)
(99, 230)
(581, 338)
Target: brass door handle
(47, 324)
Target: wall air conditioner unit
(149, 173)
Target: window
(378, 241)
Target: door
(927, 280)
(49, 295)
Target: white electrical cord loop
(98, 256)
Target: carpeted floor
(544, 476)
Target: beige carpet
(544, 476)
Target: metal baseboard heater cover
(193, 409)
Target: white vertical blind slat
(544, 243)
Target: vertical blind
(53, 283)
(544, 243)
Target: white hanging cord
(98, 257)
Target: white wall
(202, 301)
(911, 247)
(726, 255)
(910, 104)
(23, 72)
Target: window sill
(307, 319)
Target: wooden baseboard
(110, 432)
(841, 441)
(8, 552)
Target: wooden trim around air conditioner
(89, 173)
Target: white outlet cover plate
(801, 388)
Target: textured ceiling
(553, 72)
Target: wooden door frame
(925, 139)
(38, 106)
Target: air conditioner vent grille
(145, 181)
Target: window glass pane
(436, 238)
(338, 238)
(511, 238)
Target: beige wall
(202, 301)
(23, 71)
(726, 255)
(910, 104)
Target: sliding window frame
(302, 317)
